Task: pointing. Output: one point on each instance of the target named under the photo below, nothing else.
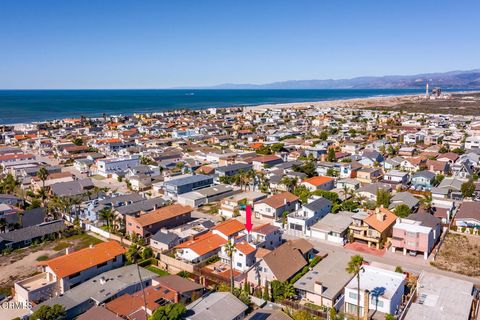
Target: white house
(298, 222)
(106, 167)
(380, 289)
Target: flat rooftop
(441, 297)
(377, 280)
(36, 282)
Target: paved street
(409, 264)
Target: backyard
(22, 263)
(460, 253)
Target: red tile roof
(318, 181)
(84, 259)
(229, 227)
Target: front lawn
(157, 270)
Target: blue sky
(161, 44)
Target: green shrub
(42, 258)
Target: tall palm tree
(230, 250)
(43, 174)
(106, 214)
(354, 267)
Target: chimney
(102, 280)
(318, 287)
(285, 201)
(366, 303)
(297, 206)
(91, 246)
(380, 216)
(67, 251)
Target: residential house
(273, 267)
(149, 223)
(413, 164)
(416, 234)
(438, 167)
(423, 179)
(319, 183)
(232, 169)
(333, 227)
(349, 183)
(208, 244)
(70, 270)
(299, 221)
(393, 163)
(468, 215)
(205, 195)
(324, 284)
(274, 206)
(268, 161)
(371, 158)
(380, 290)
(23, 237)
(53, 178)
(71, 188)
(373, 228)
(163, 291)
(449, 188)
(107, 167)
(369, 192)
(216, 305)
(101, 289)
(233, 205)
(441, 297)
(405, 198)
(179, 186)
(369, 175)
(396, 177)
(164, 240)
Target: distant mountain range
(453, 80)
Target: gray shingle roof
(32, 232)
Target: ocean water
(20, 106)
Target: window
(239, 264)
(352, 309)
(352, 295)
(374, 300)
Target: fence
(106, 234)
(173, 265)
(298, 306)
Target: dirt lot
(460, 253)
(462, 104)
(22, 263)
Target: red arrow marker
(248, 223)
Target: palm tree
(290, 183)
(43, 174)
(230, 250)
(354, 267)
(288, 290)
(426, 203)
(106, 214)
